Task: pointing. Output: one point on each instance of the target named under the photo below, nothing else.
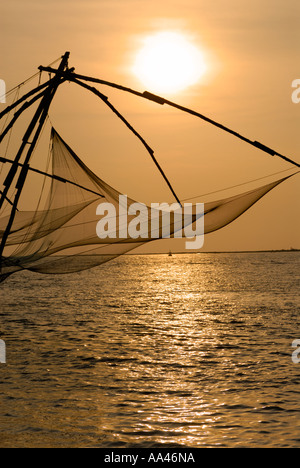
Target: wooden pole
(160, 100)
(128, 125)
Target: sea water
(154, 351)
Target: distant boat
(170, 253)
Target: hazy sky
(252, 55)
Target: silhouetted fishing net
(61, 238)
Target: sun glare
(168, 63)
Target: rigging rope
(11, 130)
(8, 93)
(240, 185)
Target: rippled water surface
(151, 351)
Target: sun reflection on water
(179, 353)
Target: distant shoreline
(182, 253)
(217, 252)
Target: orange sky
(252, 54)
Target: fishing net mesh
(61, 238)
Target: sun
(168, 63)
